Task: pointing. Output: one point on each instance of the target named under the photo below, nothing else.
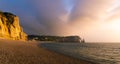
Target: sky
(93, 20)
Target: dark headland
(57, 39)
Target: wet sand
(21, 52)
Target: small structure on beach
(82, 40)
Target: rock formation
(61, 39)
(10, 28)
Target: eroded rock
(10, 27)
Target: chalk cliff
(10, 27)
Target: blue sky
(68, 4)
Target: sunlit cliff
(10, 27)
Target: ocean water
(99, 53)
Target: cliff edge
(10, 27)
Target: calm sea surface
(100, 53)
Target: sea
(98, 53)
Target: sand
(21, 52)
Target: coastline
(29, 52)
(61, 50)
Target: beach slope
(21, 52)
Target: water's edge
(58, 51)
(64, 48)
(46, 46)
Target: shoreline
(66, 54)
(28, 52)
(82, 60)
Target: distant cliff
(10, 28)
(61, 39)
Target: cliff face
(10, 28)
(61, 39)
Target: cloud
(114, 14)
(90, 9)
(39, 16)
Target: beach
(28, 52)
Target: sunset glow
(115, 24)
